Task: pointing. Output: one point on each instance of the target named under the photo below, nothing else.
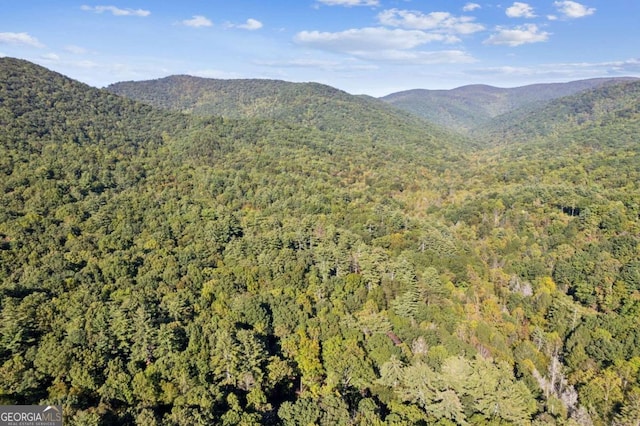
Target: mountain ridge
(458, 110)
(467, 107)
(309, 104)
(573, 113)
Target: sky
(373, 47)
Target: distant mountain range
(479, 110)
(478, 114)
(470, 107)
(308, 104)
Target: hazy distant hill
(598, 107)
(309, 104)
(468, 107)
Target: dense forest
(307, 104)
(466, 109)
(161, 265)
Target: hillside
(39, 105)
(591, 108)
(468, 107)
(307, 104)
(167, 268)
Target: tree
(391, 372)
(497, 395)
(303, 412)
(629, 414)
(346, 364)
(419, 385)
(305, 351)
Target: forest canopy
(164, 267)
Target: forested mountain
(592, 108)
(468, 107)
(168, 268)
(307, 104)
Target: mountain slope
(599, 107)
(48, 105)
(207, 270)
(308, 104)
(468, 107)
(152, 263)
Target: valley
(200, 251)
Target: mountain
(308, 104)
(152, 262)
(44, 105)
(158, 267)
(598, 107)
(468, 107)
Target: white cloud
(251, 25)
(368, 39)
(350, 3)
(529, 33)
(86, 64)
(213, 73)
(385, 45)
(552, 17)
(435, 21)
(520, 10)
(505, 70)
(50, 57)
(76, 50)
(23, 39)
(116, 11)
(197, 21)
(318, 64)
(629, 66)
(418, 57)
(470, 7)
(554, 72)
(572, 9)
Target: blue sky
(374, 47)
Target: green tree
(629, 414)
